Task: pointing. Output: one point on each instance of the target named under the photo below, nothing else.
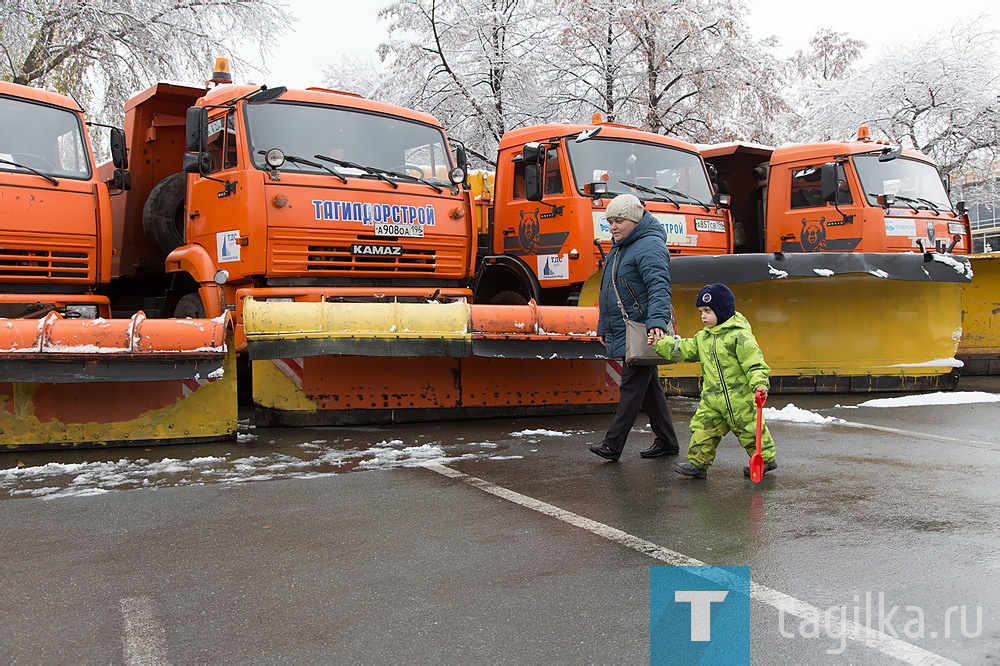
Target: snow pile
(792, 414)
(541, 432)
(949, 398)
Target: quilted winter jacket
(641, 264)
(732, 365)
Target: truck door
(799, 220)
(218, 209)
(539, 232)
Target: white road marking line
(894, 647)
(145, 641)
(975, 443)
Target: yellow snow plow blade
(333, 363)
(301, 329)
(76, 382)
(980, 346)
(834, 322)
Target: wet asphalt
(304, 546)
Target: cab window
(222, 142)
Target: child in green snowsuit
(732, 370)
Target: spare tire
(163, 213)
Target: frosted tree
(940, 96)
(102, 51)
(471, 63)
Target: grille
(37, 263)
(330, 254)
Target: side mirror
(828, 182)
(533, 153)
(946, 181)
(195, 162)
(533, 181)
(196, 129)
(267, 95)
(119, 151)
(461, 158)
(890, 153)
(122, 180)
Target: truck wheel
(163, 213)
(509, 298)
(190, 306)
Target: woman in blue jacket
(638, 264)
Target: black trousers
(641, 389)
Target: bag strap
(614, 284)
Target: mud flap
(835, 323)
(980, 346)
(85, 383)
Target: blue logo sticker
(699, 615)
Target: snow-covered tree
(940, 96)
(102, 51)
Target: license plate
(408, 230)
(710, 225)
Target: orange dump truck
(78, 364)
(339, 232)
(861, 316)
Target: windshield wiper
(685, 195)
(926, 204)
(934, 206)
(32, 170)
(378, 173)
(650, 190)
(415, 179)
(316, 165)
(295, 159)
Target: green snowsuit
(732, 366)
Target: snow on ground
(792, 414)
(949, 398)
(310, 459)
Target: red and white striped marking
(613, 373)
(192, 385)
(291, 368)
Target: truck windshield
(36, 138)
(910, 180)
(386, 143)
(647, 165)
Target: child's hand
(762, 392)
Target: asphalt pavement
(505, 541)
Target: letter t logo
(701, 610)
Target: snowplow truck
(543, 236)
(77, 366)
(875, 224)
(339, 232)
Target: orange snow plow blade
(79, 382)
(334, 363)
(980, 345)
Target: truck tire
(163, 213)
(509, 298)
(190, 306)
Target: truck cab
(859, 196)
(548, 234)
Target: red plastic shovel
(756, 462)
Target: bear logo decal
(813, 236)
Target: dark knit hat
(718, 297)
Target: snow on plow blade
(836, 322)
(78, 382)
(340, 363)
(980, 346)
